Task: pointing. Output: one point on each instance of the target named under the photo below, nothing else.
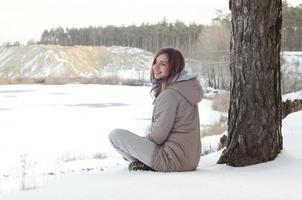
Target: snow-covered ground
(292, 96)
(276, 180)
(55, 124)
(63, 129)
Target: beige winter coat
(175, 127)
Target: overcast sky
(22, 20)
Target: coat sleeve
(163, 117)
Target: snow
(292, 96)
(53, 124)
(293, 62)
(207, 115)
(48, 60)
(75, 119)
(211, 143)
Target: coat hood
(189, 87)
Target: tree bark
(254, 123)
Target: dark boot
(138, 165)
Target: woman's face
(161, 68)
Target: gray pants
(132, 147)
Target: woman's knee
(116, 133)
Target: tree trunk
(254, 124)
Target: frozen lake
(46, 121)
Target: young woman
(173, 143)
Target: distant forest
(150, 37)
(189, 38)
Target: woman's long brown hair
(176, 65)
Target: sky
(22, 20)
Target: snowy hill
(40, 61)
(50, 62)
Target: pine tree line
(150, 37)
